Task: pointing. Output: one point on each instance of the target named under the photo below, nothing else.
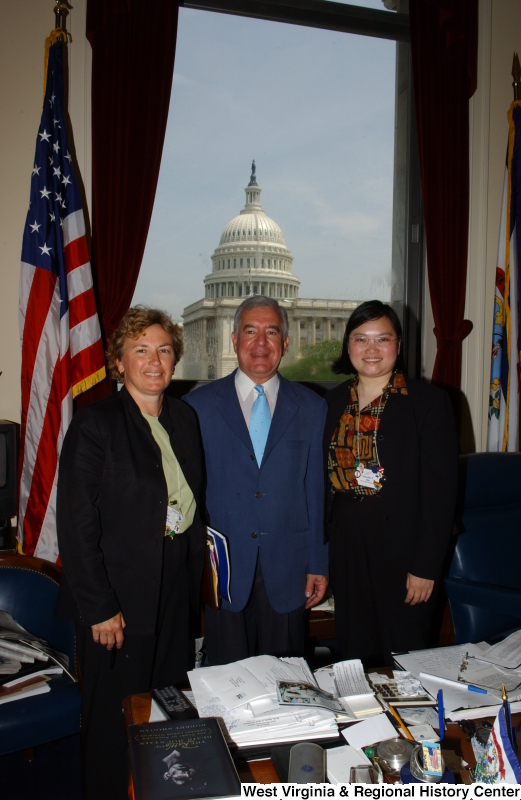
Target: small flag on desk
(503, 414)
(499, 762)
(62, 350)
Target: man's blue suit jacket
(277, 510)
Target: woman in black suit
(131, 533)
(391, 453)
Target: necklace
(360, 467)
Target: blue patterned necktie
(260, 422)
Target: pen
(441, 714)
(401, 723)
(468, 686)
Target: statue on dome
(253, 179)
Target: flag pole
(61, 12)
(516, 85)
(506, 711)
(516, 74)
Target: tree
(315, 364)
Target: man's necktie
(260, 422)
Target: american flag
(62, 350)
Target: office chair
(484, 581)
(28, 590)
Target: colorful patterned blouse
(349, 445)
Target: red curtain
(444, 59)
(133, 49)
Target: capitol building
(252, 258)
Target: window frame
(382, 24)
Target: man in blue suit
(262, 437)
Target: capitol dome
(252, 257)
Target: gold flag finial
(516, 74)
(504, 695)
(61, 12)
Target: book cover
(182, 759)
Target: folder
(216, 578)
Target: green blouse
(180, 495)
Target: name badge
(370, 478)
(173, 521)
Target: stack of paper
(9, 665)
(18, 644)
(452, 669)
(244, 695)
(21, 688)
(346, 681)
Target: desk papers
(350, 678)
(441, 661)
(346, 680)
(488, 676)
(446, 662)
(339, 761)
(424, 733)
(257, 719)
(503, 654)
(420, 716)
(369, 731)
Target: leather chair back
(28, 591)
(484, 582)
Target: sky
(315, 109)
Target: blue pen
(441, 714)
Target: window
(329, 176)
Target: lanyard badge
(173, 521)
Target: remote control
(174, 703)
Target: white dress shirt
(247, 394)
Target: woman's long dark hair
(367, 312)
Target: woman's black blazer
(418, 448)
(111, 511)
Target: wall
(25, 25)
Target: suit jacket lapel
(285, 410)
(396, 404)
(227, 404)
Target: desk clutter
(26, 662)
(360, 728)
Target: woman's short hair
(135, 321)
(261, 301)
(367, 312)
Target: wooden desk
(137, 711)
(321, 626)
